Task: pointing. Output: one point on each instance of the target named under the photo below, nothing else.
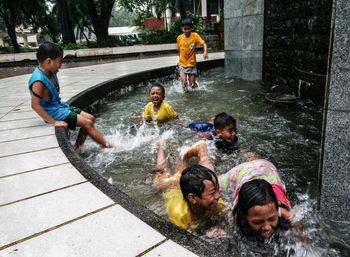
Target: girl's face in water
(263, 219)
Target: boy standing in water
(46, 101)
(186, 45)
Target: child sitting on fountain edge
(46, 101)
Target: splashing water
(289, 136)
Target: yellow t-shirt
(165, 112)
(187, 49)
(179, 212)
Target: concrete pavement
(47, 208)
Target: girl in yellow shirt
(157, 109)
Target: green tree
(99, 11)
(9, 11)
(40, 14)
(64, 18)
(120, 17)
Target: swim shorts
(72, 117)
(188, 70)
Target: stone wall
(212, 41)
(334, 176)
(244, 21)
(296, 35)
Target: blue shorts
(201, 126)
(188, 70)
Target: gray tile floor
(46, 207)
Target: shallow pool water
(288, 135)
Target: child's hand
(286, 214)
(60, 123)
(205, 55)
(148, 119)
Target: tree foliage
(38, 16)
(9, 10)
(120, 17)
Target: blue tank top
(56, 108)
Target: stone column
(334, 179)
(25, 40)
(244, 30)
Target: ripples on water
(289, 136)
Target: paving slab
(22, 133)
(8, 103)
(19, 116)
(19, 108)
(27, 145)
(5, 109)
(109, 233)
(169, 248)
(16, 124)
(20, 163)
(49, 210)
(15, 188)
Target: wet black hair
(48, 50)
(157, 84)
(223, 120)
(252, 193)
(186, 22)
(192, 180)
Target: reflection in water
(289, 136)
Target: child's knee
(87, 124)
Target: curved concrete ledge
(47, 208)
(93, 94)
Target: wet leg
(183, 78)
(192, 81)
(90, 129)
(80, 138)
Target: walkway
(47, 208)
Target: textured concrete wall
(244, 25)
(296, 34)
(335, 173)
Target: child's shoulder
(179, 37)
(177, 208)
(36, 75)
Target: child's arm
(199, 150)
(38, 89)
(205, 49)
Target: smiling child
(157, 109)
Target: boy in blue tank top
(46, 101)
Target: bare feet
(185, 86)
(108, 145)
(195, 85)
